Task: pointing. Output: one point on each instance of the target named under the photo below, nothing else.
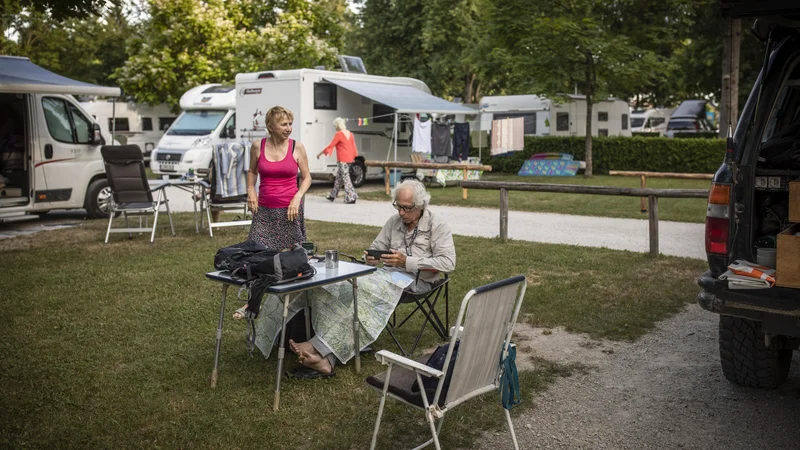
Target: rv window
(165, 122)
(230, 126)
(602, 132)
(562, 121)
(637, 122)
(324, 96)
(656, 121)
(197, 122)
(83, 126)
(119, 124)
(57, 118)
(530, 120)
(382, 113)
(147, 124)
(624, 121)
(602, 116)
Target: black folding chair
(425, 303)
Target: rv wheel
(98, 199)
(358, 173)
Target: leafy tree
(186, 43)
(553, 47)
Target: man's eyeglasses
(403, 208)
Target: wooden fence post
(463, 189)
(642, 199)
(504, 215)
(652, 201)
(387, 180)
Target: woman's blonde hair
(340, 123)
(275, 114)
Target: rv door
(66, 156)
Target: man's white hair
(421, 195)
(340, 123)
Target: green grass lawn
(674, 209)
(111, 346)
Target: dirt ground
(664, 391)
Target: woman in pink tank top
(277, 204)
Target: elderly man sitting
(419, 242)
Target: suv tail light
(697, 127)
(718, 219)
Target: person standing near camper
(277, 205)
(346, 153)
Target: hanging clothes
(441, 143)
(461, 141)
(508, 135)
(422, 136)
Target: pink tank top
(278, 179)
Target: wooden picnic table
(425, 165)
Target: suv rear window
(681, 125)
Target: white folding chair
(228, 183)
(132, 194)
(483, 330)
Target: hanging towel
(441, 143)
(422, 136)
(231, 163)
(461, 141)
(508, 135)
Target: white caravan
(547, 117)
(650, 120)
(208, 118)
(316, 97)
(49, 146)
(133, 123)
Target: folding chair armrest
(387, 357)
(154, 187)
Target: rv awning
(21, 75)
(402, 97)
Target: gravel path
(664, 391)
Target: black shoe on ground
(331, 199)
(350, 203)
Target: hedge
(646, 133)
(699, 134)
(620, 153)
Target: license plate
(165, 168)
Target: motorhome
(133, 123)
(379, 111)
(208, 118)
(550, 117)
(650, 120)
(49, 146)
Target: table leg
(307, 313)
(219, 334)
(281, 351)
(194, 206)
(356, 324)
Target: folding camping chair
(132, 194)
(483, 332)
(425, 303)
(229, 165)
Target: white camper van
(49, 146)
(316, 97)
(133, 123)
(650, 120)
(208, 118)
(548, 117)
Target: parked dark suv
(749, 206)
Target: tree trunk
(729, 101)
(469, 79)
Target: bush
(620, 153)
(646, 133)
(698, 135)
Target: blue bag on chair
(509, 382)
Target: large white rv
(133, 123)
(548, 117)
(208, 118)
(316, 97)
(49, 146)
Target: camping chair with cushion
(228, 181)
(482, 335)
(132, 194)
(425, 303)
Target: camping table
(193, 187)
(346, 272)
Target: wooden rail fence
(644, 175)
(651, 194)
(421, 165)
